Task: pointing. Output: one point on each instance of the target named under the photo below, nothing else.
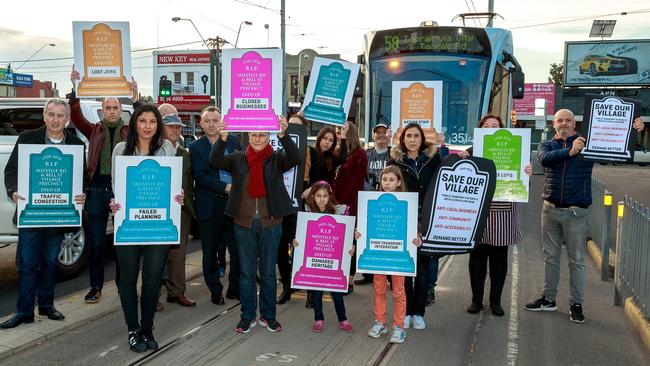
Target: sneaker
(541, 304)
(407, 322)
(136, 344)
(318, 326)
(398, 335)
(418, 322)
(245, 326)
(148, 339)
(346, 326)
(378, 328)
(575, 314)
(92, 297)
(271, 324)
(431, 296)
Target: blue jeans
(568, 226)
(38, 250)
(262, 246)
(317, 303)
(97, 209)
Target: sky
(335, 26)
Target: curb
(594, 252)
(638, 321)
(13, 341)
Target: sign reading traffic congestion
(435, 39)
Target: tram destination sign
(434, 39)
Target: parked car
(595, 65)
(22, 114)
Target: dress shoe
(284, 296)
(474, 308)
(181, 300)
(232, 295)
(16, 320)
(51, 313)
(217, 299)
(497, 310)
(92, 297)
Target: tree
(556, 74)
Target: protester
(102, 139)
(212, 188)
(391, 180)
(418, 160)
(502, 230)
(38, 248)
(175, 281)
(146, 131)
(321, 200)
(567, 197)
(327, 158)
(257, 203)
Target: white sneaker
(378, 328)
(398, 335)
(418, 322)
(407, 322)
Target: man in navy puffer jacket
(567, 196)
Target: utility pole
(490, 10)
(216, 44)
(284, 53)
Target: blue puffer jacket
(567, 180)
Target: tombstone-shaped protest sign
(102, 55)
(145, 187)
(321, 261)
(387, 222)
(330, 89)
(607, 126)
(293, 179)
(457, 204)
(416, 102)
(509, 149)
(251, 89)
(49, 177)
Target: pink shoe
(346, 326)
(318, 326)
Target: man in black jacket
(257, 202)
(38, 248)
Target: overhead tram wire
(577, 19)
(469, 10)
(478, 19)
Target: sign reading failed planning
(330, 89)
(609, 132)
(145, 187)
(510, 152)
(416, 102)
(102, 55)
(49, 177)
(388, 223)
(457, 204)
(321, 261)
(251, 87)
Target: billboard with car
(604, 63)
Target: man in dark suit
(211, 194)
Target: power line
(640, 11)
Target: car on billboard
(595, 65)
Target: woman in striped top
(502, 230)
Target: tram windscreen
(463, 85)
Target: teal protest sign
(509, 149)
(145, 188)
(329, 92)
(49, 177)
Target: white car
(22, 114)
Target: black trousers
(478, 265)
(284, 261)
(153, 260)
(416, 288)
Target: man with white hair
(567, 196)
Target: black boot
(285, 295)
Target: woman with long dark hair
(145, 139)
(418, 159)
(325, 158)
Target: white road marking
(107, 351)
(513, 327)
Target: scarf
(107, 149)
(255, 159)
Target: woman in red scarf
(257, 202)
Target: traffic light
(165, 88)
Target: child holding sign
(391, 180)
(321, 199)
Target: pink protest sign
(249, 97)
(321, 260)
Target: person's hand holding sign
(638, 124)
(283, 126)
(578, 146)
